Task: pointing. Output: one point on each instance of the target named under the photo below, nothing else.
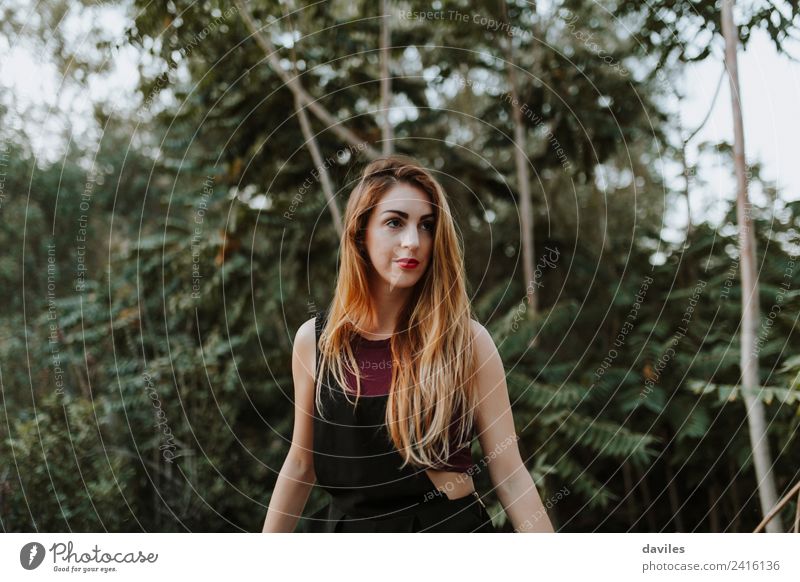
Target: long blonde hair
(431, 392)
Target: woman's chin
(402, 281)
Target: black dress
(357, 464)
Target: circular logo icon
(31, 555)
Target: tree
(386, 81)
(668, 30)
(523, 176)
(301, 101)
(750, 296)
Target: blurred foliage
(155, 392)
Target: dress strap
(319, 323)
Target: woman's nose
(410, 238)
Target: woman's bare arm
(496, 433)
(297, 477)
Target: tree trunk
(735, 497)
(523, 177)
(297, 89)
(674, 498)
(630, 497)
(316, 155)
(648, 501)
(713, 508)
(684, 146)
(686, 178)
(762, 459)
(301, 100)
(386, 80)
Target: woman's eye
(396, 221)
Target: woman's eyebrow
(405, 214)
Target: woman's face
(399, 237)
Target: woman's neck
(387, 305)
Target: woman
(393, 380)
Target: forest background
(155, 271)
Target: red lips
(408, 263)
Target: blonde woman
(395, 378)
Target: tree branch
(300, 94)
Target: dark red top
(374, 360)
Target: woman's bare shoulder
(306, 336)
(479, 332)
(485, 348)
(303, 353)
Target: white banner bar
(400, 557)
